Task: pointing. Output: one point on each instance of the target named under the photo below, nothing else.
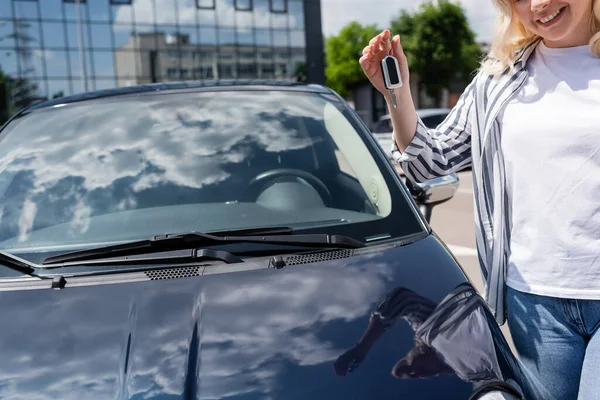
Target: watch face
(392, 71)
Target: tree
(21, 91)
(4, 96)
(300, 72)
(343, 73)
(439, 44)
(24, 93)
(58, 94)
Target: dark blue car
(228, 241)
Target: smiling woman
(560, 24)
(126, 168)
(528, 124)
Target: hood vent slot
(173, 273)
(318, 257)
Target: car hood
(265, 333)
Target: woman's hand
(375, 52)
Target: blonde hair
(510, 36)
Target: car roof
(192, 86)
(427, 112)
(423, 112)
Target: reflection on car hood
(276, 334)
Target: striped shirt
(470, 136)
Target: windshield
(111, 170)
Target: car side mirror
(433, 192)
(497, 390)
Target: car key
(391, 75)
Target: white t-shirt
(550, 139)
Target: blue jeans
(557, 344)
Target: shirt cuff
(415, 147)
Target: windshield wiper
(17, 264)
(181, 241)
(265, 230)
(184, 256)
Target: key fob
(391, 72)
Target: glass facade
(61, 47)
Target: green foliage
(471, 59)
(15, 94)
(23, 93)
(439, 44)
(343, 73)
(4, 103)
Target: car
(382, 129)
(228, 240)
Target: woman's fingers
(364, 61)
(375, 39)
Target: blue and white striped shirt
(470, 135)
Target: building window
(205, 4)
(247, 71)
(268, 71)
(203, 73)
(243, 5)
(75, 1)
(225, 71)
(282, 70)
(206, 56)
(173, 73)
(278, 6)
(120, 2)
(177, 73)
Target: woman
(529, 124)
(451, 337)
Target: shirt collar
(525, 53)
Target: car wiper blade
(170, 257)
(17, 264)
(266, 230)
(194, 239)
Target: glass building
(60, 47)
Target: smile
(550, 17)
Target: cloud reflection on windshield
(104, 157)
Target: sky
(337, 13)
